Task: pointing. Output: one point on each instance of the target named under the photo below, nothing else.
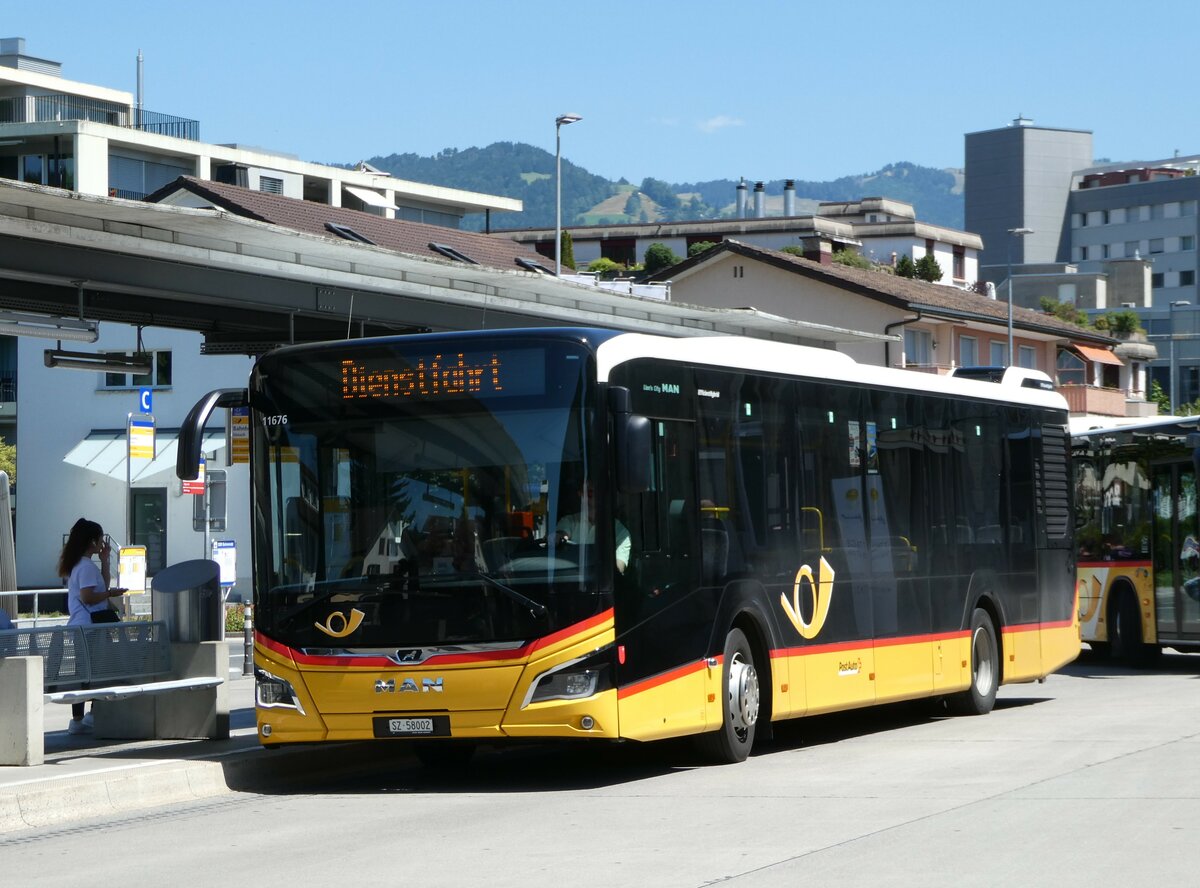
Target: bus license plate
(412, 726)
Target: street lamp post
(559, 122)
(1173, 371)
(1013, 232)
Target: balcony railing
(40, 109)
(1094, 399)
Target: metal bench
(111, 661)
(130, 671)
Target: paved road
(1091, 778)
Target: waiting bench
(125, 669)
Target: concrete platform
(85, 777)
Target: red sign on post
(197, 486)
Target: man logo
(821, 591)
(337, 626)
(383, 686)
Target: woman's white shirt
(84, 574)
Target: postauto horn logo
(336, 625)
(821, 591)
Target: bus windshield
(409, 500)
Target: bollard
(248, 632)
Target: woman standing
(87, 591)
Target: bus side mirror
(631, 441)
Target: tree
(927, 269)
(851, 259)
(603, 266)
(905, 268)
(1124, 322)
(633, 204)
(1064, 311)
(699, 247)
(8, 460)
(1159, 397)
(658, 257)
(568, 251)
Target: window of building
(1079, 220)
(1027, 357)
(1104, 251)
(1156, 245)
(1187, 242)
(1156, 280)
(1071, 368)
(1132, 248)
(918, 347)
(968, 351)
(1083, 254)
(996, 353)
(1187, 208)
(270, 184)
(1104, 217)
(1158, 211)
(960, 263)
(1187, 278)
(1133, 214)
(158, 377)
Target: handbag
(108, 615)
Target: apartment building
(1105, 238)
(879, 228)
(96, 140)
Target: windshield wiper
(535, 607)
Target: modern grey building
(1148, 210)
(1020, 176)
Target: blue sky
(682, 91)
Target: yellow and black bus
(579, 533)
(1138, 537)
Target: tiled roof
(413, 238)
(908, 293)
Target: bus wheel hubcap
(743, 695)
(983, 661)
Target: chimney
(760, 201)
(741, 199)
(789, 197)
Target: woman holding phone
(88, 593)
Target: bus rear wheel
(985, 668)
(731, 743)
(1125, 633)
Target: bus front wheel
(985, 668)
(731, 743)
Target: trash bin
(187, 597)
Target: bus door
(896, 498)
(1176, 552)
(663, 625)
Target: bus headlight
(273, 692)
(565, 685)
(574, 680)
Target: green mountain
(514, 169)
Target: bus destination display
(445, 375)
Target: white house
(72, 459)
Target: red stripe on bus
(584, 626)
(647, 684)
(518, 653)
